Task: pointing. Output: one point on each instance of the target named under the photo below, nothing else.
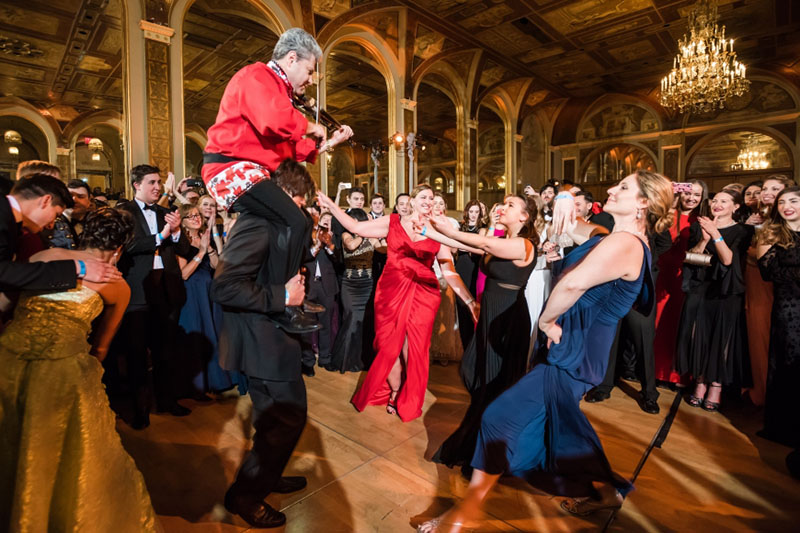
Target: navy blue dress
(535, 429)
(201, 320)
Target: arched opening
(31, 143)
(739, 156)
(356, 94)
(437, 140)
(101, 166)
(533, 157)
(219, 38)
(492, 179)
(609, 164)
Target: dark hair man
(377, 205)
(68, 226)
(402, 204)
(257, 128)
(34, 203)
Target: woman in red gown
(669, 291)
(406, 301)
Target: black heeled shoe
(391, 408)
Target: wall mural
(763, 97)
(615, 162)
(721, 155)
(618, 119)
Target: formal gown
(781, 266)
(351, 350)
(467, 269)
(446, 338)
(712, 337)
(758, 305)
(480, 282)
(497, 356)
(406, 300)
(535, 429)
(201, 321)
(669, 299)
(62, 465)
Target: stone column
(158, 104)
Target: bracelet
(286, 293)
(82, 266)
(718, 239)
(164, 194)
(424, 230)
(224, 233)
(469, 302)
(215, 234)
(563, 195)
(196, 259)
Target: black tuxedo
(38, 276)
(150, 324)
(323, 289)
(251, 343)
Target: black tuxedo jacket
(52, 276)
(148, 286)
(327, 281)
(249, 341)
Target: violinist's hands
(316, 130)
(552, 331)
(340, 135)
(563, 214)
(324, 201)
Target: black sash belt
(210, 157)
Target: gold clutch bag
(702, 260)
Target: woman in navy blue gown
(536, 430)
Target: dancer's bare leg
(395, 378)
(468, 509)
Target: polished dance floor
(367, 472)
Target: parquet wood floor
(368, 472)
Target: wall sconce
(398, 139)
(13, 150)
(95, 157)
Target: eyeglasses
(192, 216)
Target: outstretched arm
(618, 256)
(515, 249)
(452, 278)
(377, 228)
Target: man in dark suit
(323, 287)
(270, 357)
(34, 203)
(150, 266)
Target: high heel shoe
(391, 407)
(587, 506)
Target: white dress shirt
(152, 224)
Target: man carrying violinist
(257, 127)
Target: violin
(310, 108)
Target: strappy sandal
(432, 526)
(391, 407)
(586, 506)
(711, 407)
(696, 401)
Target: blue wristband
(563, 195)
(82, 266)
(286, 293)
(424, 230)
(718, 239)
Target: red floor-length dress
(670, 296)
(406, 301)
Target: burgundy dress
(406, 301)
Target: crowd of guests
(724, 315)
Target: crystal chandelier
(751, 157)
(705, 72)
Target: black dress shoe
(175, 409)
(293, 320)
(289, 484)
(649, 406)
(257, 514)
(312, 307)
(308, 370)
(629, 375)
(596, 395)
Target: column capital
(156, 32)
(408, 104)
(63, 151)
(472, 123)
(519, 137)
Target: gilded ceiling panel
(428, 43)
(385, 25)
(488, 18)
(536, 97)
(542, 52)
(28, 19)
(461, 63)
(95, 64)
(493, 73)
(331, 8)
(112, 42)
(583, 14)
(508, 39)
(634, 51)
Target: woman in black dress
(352, 349)
(779, 262)
(497, 356)
(712, 342)
(467, 269)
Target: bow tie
(151, 207)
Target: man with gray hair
(257, 128)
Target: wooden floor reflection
(367, 472)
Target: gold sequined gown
(62, 465)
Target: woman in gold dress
(62, 465)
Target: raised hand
(441, 223)
(169, 185)
(563, 214)
(340, 135)
(324, 201)
(173, 220)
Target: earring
(638, 214)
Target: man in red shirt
(257, 128)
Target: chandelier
(705, 72)
(751, 157)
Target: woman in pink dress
(406, 301)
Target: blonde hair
(658, 191)
(419, 188)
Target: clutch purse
(702, 260)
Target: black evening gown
(712, 335)
(497, 356)
(467, 269)
(781, 266)
(352, 350)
